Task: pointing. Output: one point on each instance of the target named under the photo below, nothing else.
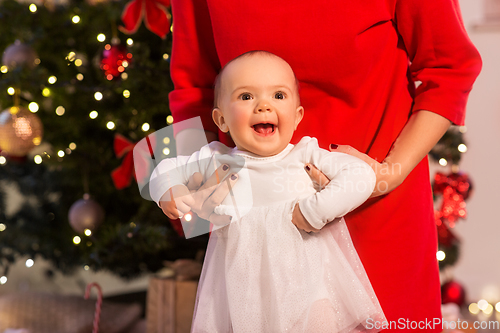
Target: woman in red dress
(386, 77)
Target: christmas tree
(95, 91)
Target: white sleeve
(176, 171)
(351, 182)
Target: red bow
(156, 16)
(122, 176)
(455, 189)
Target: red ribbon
(122, 176)
(156, 16)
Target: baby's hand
(300, 221)
(177, 201)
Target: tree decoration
(154, 12)
(85, 214)
(115, 58)
(20, 131)
(19, 55)
(455, 189)
(453, 292)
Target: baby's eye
(245, 96)
(279, 95)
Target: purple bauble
(85, 214)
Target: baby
(261, 273)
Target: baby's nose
(263, 106)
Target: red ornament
(115, 58)
(155, 13)
(455, 189)
(453, 292)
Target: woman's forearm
(420, 134)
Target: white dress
(261, 273)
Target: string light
(29, 263)
(489, 309)
(443, 162)
(33, 8)
(46, 92)
(145, 127)
(166, 151)
(60, 110)
(497, 307)
(37, 159)
(124, 76)
(130, 41)
(101, 38)
(4, 69)
(86, 267)
(440, 255)
(462, 148)
(462, 129)
(166, 56)
(3, 160)
(52, 79)
(75, 19)
(79, 76)
(60, 153)
(188, 217)
(3, 280)
(170, 119)
(93, 114)
(98, 96)
(72, 146)
(33, 107)
(78, 62)
(482, 304)
(11, 91)
(88, 232)
(71, 56)
(110, 125)
(77, 240)
(473, 308)
(126, 93)
(2, 227)
(166, 140)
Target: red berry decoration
(115, 58)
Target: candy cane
(98, 305)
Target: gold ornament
(20, 131)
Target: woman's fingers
(216, 178)
(217, 196)
(317, 176)
(346, 149)
(195, 181)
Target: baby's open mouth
(264, 129)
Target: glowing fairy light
(462, 148)
(29, 263)
(170, 119)
(11, 91)
(101, 37)
(443, 162)
(145, 127)
(77, 240)
(440, 255)
(60, 153)
(126, 93)
(78, 62)
(93, 114)
(110, 125)
(72, 146)
(98, 96)
(88, 232)
(75, 19)
(130, 41)
(79, 76)
(3, 160)
(33, 107)
(33, 8)
(60, 110)
(166, 151)
(4, 69)
(37, 159)
(46, 92)
(3, 280)
(2, 227)
(52, 79)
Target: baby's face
(259, 104)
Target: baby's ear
(298, 116)
(219, 120)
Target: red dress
(356, 61)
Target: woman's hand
(200, 198)
(300, 221)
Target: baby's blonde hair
(218, 78)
